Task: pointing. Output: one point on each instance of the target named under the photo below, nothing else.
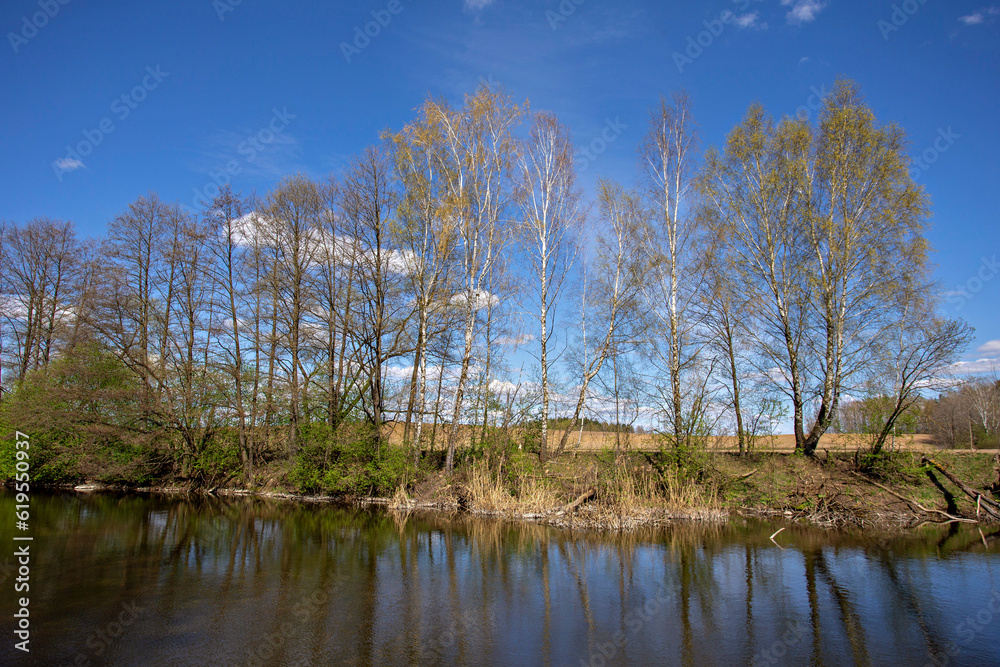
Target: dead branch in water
(990, 507)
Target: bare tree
(133, 308)
(614, 285)
(43, 269)
(294, 211)
(480, 150)
(672, 281)
(915, 358)
(550, 217)
(381, 331)
(227, 218)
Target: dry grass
(488, 492)
(593, 441)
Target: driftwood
(988, 506)
(915, 506)
(584, 497)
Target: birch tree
(668, 155)
(425, 229)
(550, 217)
(827, 226)
(614, 284)
(480, 148)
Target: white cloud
(975, 367)
(750, 20)
(802, 11)
(480, 299)
(979, 17)
(68, 164)
(476, 5)
(989, 347)
(519, 339)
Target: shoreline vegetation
(906, 488)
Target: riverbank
(601, 491)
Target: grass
(636, 488)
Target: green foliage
(688, 458)
(219, 461)
(531, 438)
(347, 461)
(51, 462)
(888, 465)
(517, 467)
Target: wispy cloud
(517, 340)
(750, 20)
(276, 155)
(802, 11)
(977, 367)
(68, 163)
(989, 347)
(476, 5)
(979, 17)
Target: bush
(347, 462)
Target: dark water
(154, 580)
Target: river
(172, 580)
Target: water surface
(164, 580)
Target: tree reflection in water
(250, 581)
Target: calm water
(154, 580)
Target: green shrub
(348, 461)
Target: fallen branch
(585, 496)
(912, 503)
(739, 479)
(990, 507)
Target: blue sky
(104, 101)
